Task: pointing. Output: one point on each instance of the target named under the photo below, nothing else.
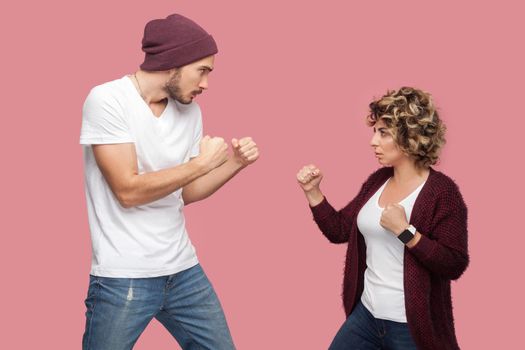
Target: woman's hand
(394, 218)
(309, 178)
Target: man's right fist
(309, 178)
(213, 151)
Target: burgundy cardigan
(441, 255)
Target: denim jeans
(119, 309)
(361, 331)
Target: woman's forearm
(314, 196)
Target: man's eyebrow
(207, 68)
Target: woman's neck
(408, 172)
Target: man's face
(186, 82)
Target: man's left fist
(245, 151)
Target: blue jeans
(361, 331)
(119, 309)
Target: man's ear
(172, 72)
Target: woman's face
(385, 148)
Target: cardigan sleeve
(444, 251)
(331, 222)
(336, 225)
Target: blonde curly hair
(411, 117)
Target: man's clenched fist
(213, 151)
(245, 151)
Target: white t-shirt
(383, 293)
(148, 240)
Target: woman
(406, 232)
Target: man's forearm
(149, 187)
(206, 185)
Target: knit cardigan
(440, 216)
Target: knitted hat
(174, 42)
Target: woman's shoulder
(381, 173)
(443, 189)
(379, 176)
(441, 182)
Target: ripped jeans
(119, 309)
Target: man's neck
(150, 86)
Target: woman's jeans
(119, 309)
(361, 331)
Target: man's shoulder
(110, 91)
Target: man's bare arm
(118, 164)
(245, 152)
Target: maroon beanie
(174, 42)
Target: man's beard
(174, 91)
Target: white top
(148, 240)
(383, 293)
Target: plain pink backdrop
(298, 78)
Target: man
(145, 158)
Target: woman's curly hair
(412, 118)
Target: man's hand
(245, 151)
(213, 152)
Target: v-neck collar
(145, 105)
(382, 189)
(389, 172)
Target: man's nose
(204, 83)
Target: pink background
(298, 78)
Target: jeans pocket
(92, 293)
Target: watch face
(406, 236)
(412, 229)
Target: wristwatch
(407, 235)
